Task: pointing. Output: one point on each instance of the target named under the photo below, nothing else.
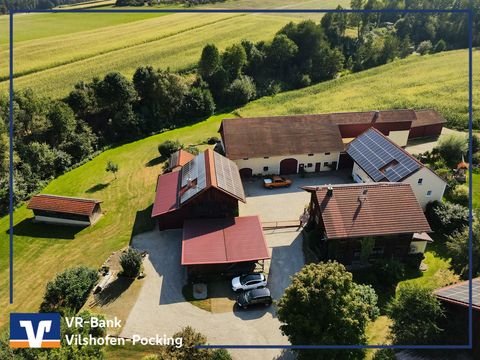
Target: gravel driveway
(161, 308)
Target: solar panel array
(228, 177)
(380, 158)
(460, 292)
(194, 171)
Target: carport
(223, 246)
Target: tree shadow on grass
(155, 161)
(97, 187)
(143, 222)
(30, 228)
(113, 291)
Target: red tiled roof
(63, 204)
(221, 241)
(374, 209)
(180, 158)
(427, 117)
(166, 194)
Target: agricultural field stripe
(93, 55)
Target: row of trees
(6, 5)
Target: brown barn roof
(428, 117)
(374, 209)
(63, 204)
(206, 170)
(220, 241)
(277, 136)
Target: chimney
(330, 191)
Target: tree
(131, 261)
(425, 47)
(234, 59)
(451, 148)
(69, 290)
(457, 246)
(198, 103)
(241, 91)
(440, 46)
(168, 147)
(210, 61)
(415, 314)
(280, 54)
(112, 167)
(324, 306)
(446, 217)
(62, 123)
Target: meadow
(432, 81)
(54, 51)
(40, 252)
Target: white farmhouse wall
(430, 182)
(273, 162)
(418, 247)
(359, 175)
(399, 137)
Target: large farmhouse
(65, 210)
(313, 143)
(378, 159)
(388, 213)
(209, 186)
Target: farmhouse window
(310, 154)
(266, 157)
(429, 193)
(327, 153)
(325, 163)
(309, 165)
(245, 158)
(265, 168)
(420, 181)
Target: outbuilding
(65, 210)
(208, 186)
(227, 246)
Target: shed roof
(221, 241)
(459, 293)
(206, 170)
(371, 209)
(63, 204)
(179, 158)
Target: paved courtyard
(286, 204)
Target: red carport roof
(221, 241)
(63, 204)
(166, 194)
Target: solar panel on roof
(228, 177)
(380, 158)
(194, 172)
(460, 292)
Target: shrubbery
(388, 271)
(446, 218)
(131, 261)
(168, 147)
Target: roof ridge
(66, 197)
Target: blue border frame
(468, 12)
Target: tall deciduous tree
(457, 245)
(324, 306)
(234, 59)
(210, 61)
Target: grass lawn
(40, 251)
(476, 190)
(434, 81)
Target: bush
(241, 91)
(445, 217)
(69, 290)
(384, 354)
(212, 140)
(440, 46)
(220, 354)
(368, 296)
(459, 195)
(192, 149)
(415, 314)
(168, 147)
(425, 47)
(131, 262)
(388, 271)
(451, 149)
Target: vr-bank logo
(33, 330)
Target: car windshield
(245, 278)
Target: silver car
(249, 281)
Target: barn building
(288, 144)
(456, 301)
(228, 246)
(209, 186)
(65, 210)
(378, 159)
(388, 213)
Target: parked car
(248, 281)
(276, 181)
(255, 297)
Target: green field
(38, 258)
(52, 52)
(433, 81)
